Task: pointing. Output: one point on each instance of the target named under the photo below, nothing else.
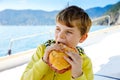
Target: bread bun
(56, 59)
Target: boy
(72, 26)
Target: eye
(57, 29)
(68, 32)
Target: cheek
(74, 40)
(56, 35)
(71, 41)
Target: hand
(49, 49)
(75, 61)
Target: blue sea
(21, 38)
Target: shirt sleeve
(87, 69)
(36, 68)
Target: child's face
(69, 36)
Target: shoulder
(80, 50)
(49, 42)
(41, 48)
(84, 56)
(46, 44)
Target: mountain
(40, 17)
(114, 13)
(27, 17)
(99, 10)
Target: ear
(83, 38)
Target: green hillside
(114, 9)
(114, 13)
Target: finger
(74, 56)
(70, 54)
(70, 61)
(52, 47)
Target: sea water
(21, 38)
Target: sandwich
(56, 59)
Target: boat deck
(105, 54)
(103, 47)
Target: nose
(60, 37)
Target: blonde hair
(74, 16)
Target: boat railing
(49, 32)
(25, 37)
(94, 35)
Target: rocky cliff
(114, 13)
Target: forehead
(61, 25)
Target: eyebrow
(69, 28)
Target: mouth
(61, 43)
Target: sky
(50, 5)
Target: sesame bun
(56, 59)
